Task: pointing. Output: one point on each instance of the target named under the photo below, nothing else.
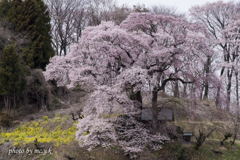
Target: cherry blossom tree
(144, 50)
(216, 17)
(233, 38)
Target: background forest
(124, 59)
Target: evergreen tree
(15, 12)
(5, 7)
(32, 16)
(12, 75)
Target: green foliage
(180, 153)
(55, 101)
(5, 120)
(226, 136)
(55, 104)
(86, 133)
(45, 118)
(47, 157)
(12, 72)
(5, 6)
(32, 17)
(78, 88)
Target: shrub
(226, 136)
(5, 120)
(45, 118)
(180, 153)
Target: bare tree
(120, 13)
(79, 23)
(67, 20)
(70, 17)
(106, 10)
(165, 10)
(216, 17)
(100, 10)
(235, 118)
(202, 137)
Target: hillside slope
(54, 131)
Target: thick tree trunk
(218, 90)
(201, 93)
(229, 85)
(10, 102)
(5, 101)
(206, 89)
(56, 50)
(136, 96)
(201, 138)
(14, 103)
(65, 50)
(184, 90)
(154, 110)
(237, 94)
(139, 98)
(7, 105)
(163, 86)
(234, 139)
(176, 89)
(235, 131)
(207, 68)
(218, 96)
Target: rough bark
(229, 85)
(201, 138)
(207, 70)
(176, 89)
(184, 90)
(237, 94)
(154, 110)
(218, 90)
(14, 103)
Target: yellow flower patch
(28, 132)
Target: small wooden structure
(166, 114)
(187, 137)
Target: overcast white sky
(182, 5)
